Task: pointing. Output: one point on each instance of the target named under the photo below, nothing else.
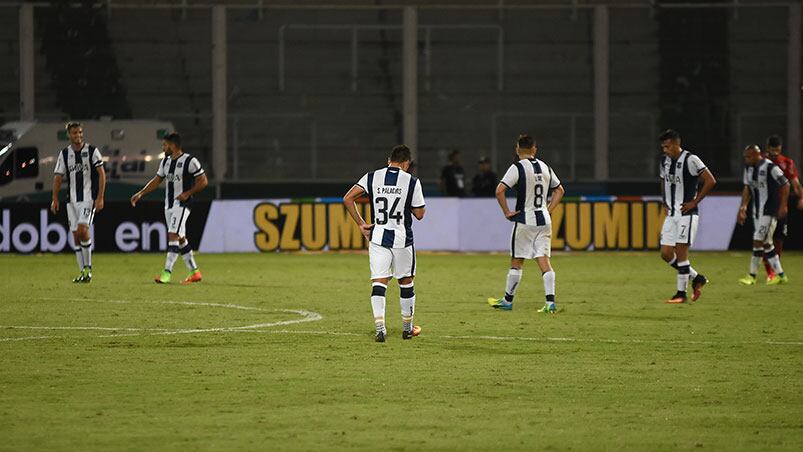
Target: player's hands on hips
(687, 206)
(782, 211)
(510, 215)
(99, 204)
(183, 196)
(365, 228)
(742, 216)
(54, 206)
(135, 199)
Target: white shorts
(764, 228)
(80, 213)
(529, 241)
(679, 230)
(386, 262)
(176, 220)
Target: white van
(131, 149)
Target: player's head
(75, 132)
(171, 143)
(401, 156)
(526, 146)
(752, 155)
(774, 145)
(670, 143)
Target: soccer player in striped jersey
(680, 172)
(396, 197)
(82, 165)
(766, 185)
(185, 177)
(531, 238)
(787, 165)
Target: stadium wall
(322, 224)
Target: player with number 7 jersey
(396, 197)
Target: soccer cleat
(84, 277)
(164, 278)
(678, 298)
(697, 285)
(748, 280)
(778, 279)
(500, 304)
(193, 277)
(549, 309)
(380, 337)
(411, 334)
(770, 276)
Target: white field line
(309, 316)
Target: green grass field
(125, 364)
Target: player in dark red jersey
(787, 165)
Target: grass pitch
(125, 364)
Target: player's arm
(500, 198)
(783, 193)
(418, 212)
(101, 187)
(708, 184)
(798, 190)
(557, 195)
(54, 204)
(149, 187)
(200, 183)
(742, 215)
(348, 201)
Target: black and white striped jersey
(533, 180)
(679, 178)
(80, 170)
(393, 194)
(180, 174)
(764, 181)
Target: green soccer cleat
(164, 278)
(549, 309)
(778, 279)
(500, 304)
(748, 280)
(84, 277)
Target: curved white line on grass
(306, 316)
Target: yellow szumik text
(313, 227)
(623, 225)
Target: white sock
(774, 260)
(86, 253)
(407, 302)
(683, 275)
(674, 263)
(378, 305)
(189, 260)
(172, 255)
(755, 260)
(79, 257)
(513, 278)
(549, 286)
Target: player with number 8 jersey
(531, 237)
(396, 197)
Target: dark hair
(72, 125)
(400, 153)
(525, 141)
(454, 153)
(774, 141)
(174, 138)
(669, 134)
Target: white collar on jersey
(79, 150)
